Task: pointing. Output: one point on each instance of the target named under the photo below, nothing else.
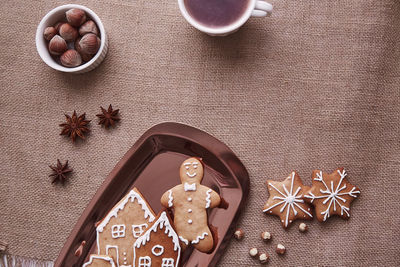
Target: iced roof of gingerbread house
(162, 222)
(131, 196)
(101, 257)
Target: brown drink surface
(216, 13)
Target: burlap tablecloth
(317, 85)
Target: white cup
(256, 8)
(56, 15)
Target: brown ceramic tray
(152, 165)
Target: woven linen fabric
(316, 85)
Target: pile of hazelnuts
(73, 42)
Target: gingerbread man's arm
(167, 199)
(212, 199)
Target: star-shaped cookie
(331, 194)
(286, 200)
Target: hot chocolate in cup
(222, 17)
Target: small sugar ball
(253, 252)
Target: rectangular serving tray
(152, 165)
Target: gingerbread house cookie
(159, 245)
(99, 261)
(119, 230)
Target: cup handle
(262, 9)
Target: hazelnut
(264, 258)
(266, 236)
(76, 17)
(85, 57)
(88, 27)
(49, 33)
(90, 43)
(239, 234)
(303, 227)
(57, 45)
(280, 249)
(253, 252)
(71, 58)
(58, 25)
(68, 32)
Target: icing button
(189, 210)
(190, 221)
(124, 253)
(189, 199)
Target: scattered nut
(68, 32)
(88, 27)
(253, 252)
(303, 227)
(239, 234)
(89, 44)
(264, 258)
(280, 249)
(49, 33)
(71, 59)
(57, 45)
(266, 236)
(76, 17)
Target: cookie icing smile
(191, 175)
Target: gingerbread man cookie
(286, 200)
(190, 201)
(331, 194)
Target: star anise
(60, 172)
(108, 117)
(75, 126)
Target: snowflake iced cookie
(286, 200)
(122, 226)
(331, 194)
(190, 201)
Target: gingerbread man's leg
(204, 241)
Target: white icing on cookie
(118, 231)
(191, 175)
(189, 210)
(184, 240)
(189, 199)
(138, 229)
(105, 258)
(157, 247)
(200, 237)
(333, 195)
(189, 187)
(289, 200)
(208, 198)
(170, 198)
(190, 221)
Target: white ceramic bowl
(56, 15)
